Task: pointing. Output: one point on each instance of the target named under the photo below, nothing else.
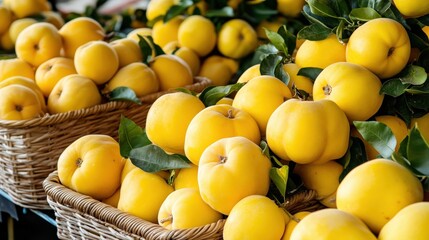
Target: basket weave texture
(30, 148)
(81, 217)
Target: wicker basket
(81, 217)
(30, 148)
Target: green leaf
(321, 8)
(211, 95)
(423, 60)
(379, 135)
(314, 32)
(380, 6)
(269, 64)
(264, 50)
(425, 183)
(393, 87)
(265, 150)
(424, 19)
(223, 12)
(152, 158)
(419, 101)
(131, 136)
(310, 72)
(354, 157)
(279, 176)
(404, 162)
(4, 56)
(414, 75)
(280, 73)
(124, 94)
(316, 19)
(289, 39)
(156, 47)
(418, 151)
(277, 40)
(363, 14)
(394, 14)
(403, 147)
(177, 10)
(420, 89)
(341, 7)
(145, 48)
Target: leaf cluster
(413, 152)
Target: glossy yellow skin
(43, 35)
(323, 178)
(249, 74)
(138, 197)
(331, 224)
(290, 226)
(412, 9)
(191, 58)
(225, 100)
(380, 45)
(15, 67)
(96, 60)
(27, 82)
(237, 39)
(231, 169)
(18, 102)
(78, 32)
(187, 210)
(197, 33)
(172, 71)
(367, 192)
(409, 223)
(137, 76)
(352, 87)
(187, 178)
(5, 19)
(216, 122)
(114, 199)
(91, 165)
(51, 71)
(128, 51)
(255, 217)
(139, 31)
(24, 8)
(163, 33)
(320, 53)
(260, 97)
(6, 42)
(300, 82)
(17, 26)
(290, 8)
(157, 8)
(308, 132)
(220, 70)
(73, 92)
(167, 120)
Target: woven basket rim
(124, 221)
(49, 119)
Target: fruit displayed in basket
(255, 217)
(142, 194)
(184, 208)
(92, 165)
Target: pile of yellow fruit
(70, 66)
